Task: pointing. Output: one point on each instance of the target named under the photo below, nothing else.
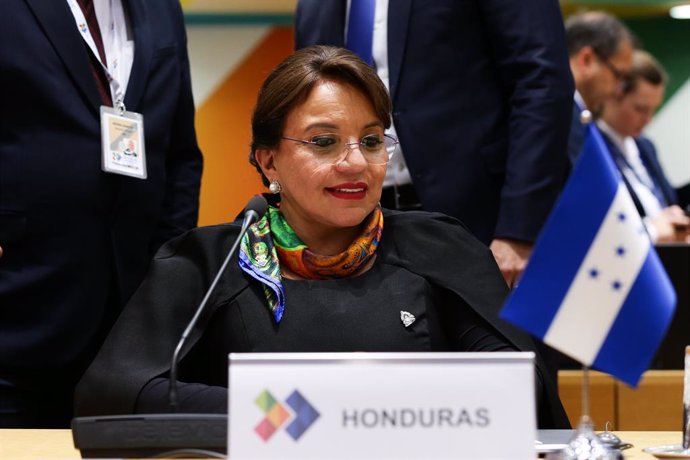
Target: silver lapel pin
(407, 318)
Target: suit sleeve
(319, 23)
(140, 345)
(527, 39)
(184, 161)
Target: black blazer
(433, 247)
(481, 102)
(78, 241)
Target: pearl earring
(275, 187)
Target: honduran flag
(594, 287)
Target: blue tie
(360, 29)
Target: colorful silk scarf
(271, 242)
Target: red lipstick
(349, 191)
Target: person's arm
(527, 39)
(140, 346)
(467, 331)
(671, 225)
(511, 257)
(180, 207)
(194, 398)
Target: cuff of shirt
(651, 231)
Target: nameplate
(381, 406)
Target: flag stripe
(641, 324)
(563, 243)
(602, 282)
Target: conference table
(21, 444)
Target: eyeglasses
(330, 148)
(618, 74)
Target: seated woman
(325, 270)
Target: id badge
(122, 143)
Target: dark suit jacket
(576, 137)
(651, 163)
(481, 102)
(78, 241)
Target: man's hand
(671, 225)
(511, 257)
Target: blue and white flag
(594, 287)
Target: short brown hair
(599, 30)
(290, 82)
(644, 67)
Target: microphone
(255, 209)
(142, 435)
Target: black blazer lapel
(58, 24)
(139, 15)
(398, 21)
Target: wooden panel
(601, 397)
(657, 403)
(239, 6)
(224, 131)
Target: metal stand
(585, 445)
(686, 401)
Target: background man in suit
(622, 122)
(481, 104)
(600, 52)
(77, 240)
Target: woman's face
(319, 195)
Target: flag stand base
(585, 445)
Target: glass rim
(390, 144)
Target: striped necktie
(360, 29)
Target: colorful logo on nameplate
(300, 414)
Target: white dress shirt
(118, 42)
(637, 176)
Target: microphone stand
(250, 217)
(585, 445)
(172, 434)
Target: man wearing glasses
(600, 50)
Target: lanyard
(646, 180)
(82, 25)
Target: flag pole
(585, 445)
(609, 260)
(686, 401)
(585, 395)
